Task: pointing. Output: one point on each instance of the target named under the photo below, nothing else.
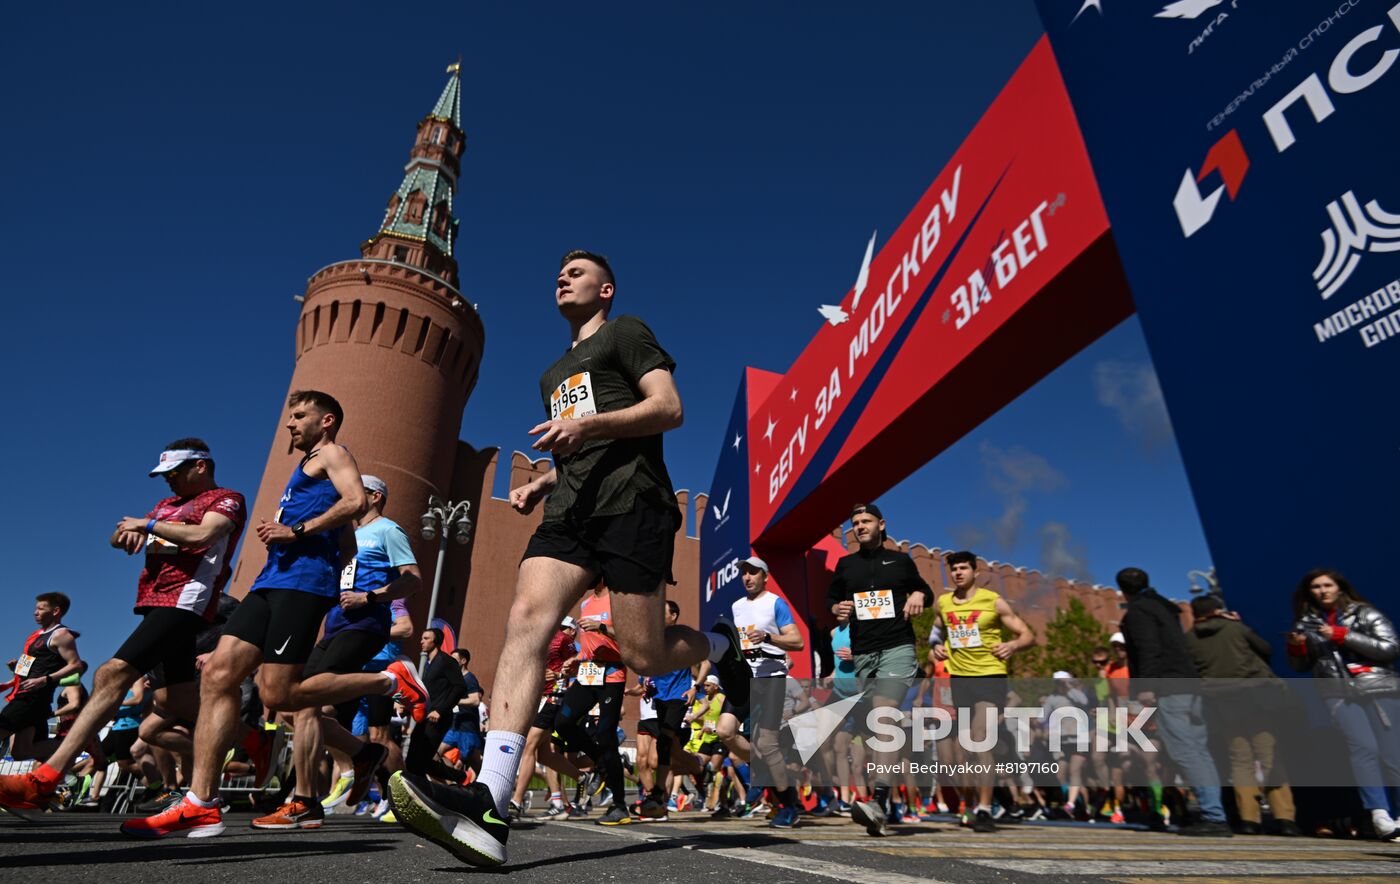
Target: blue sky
(175, 175)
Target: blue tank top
(128, 714)
(311, 564)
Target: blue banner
(724, 531)
(1246, 153)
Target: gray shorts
(891, 670)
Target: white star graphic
(793, 397)
(737, 440)
(768, 434)
(1095, 4)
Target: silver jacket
(1365, 658)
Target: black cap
(867, 508)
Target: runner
(611, 513)
(560, 663)
(665, 694)
(50, 654)
(188, 539)
(274, 629)
(600, 682)
(465, 734)
(382, 571)
(974, 622)
(880, 591)
(767, 632)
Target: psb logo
(720, 577)
(1354, 230)
(1226, 156)
(1313, 100)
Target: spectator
(1224, 648)
(1157, 653)
(1338, 635)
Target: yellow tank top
(970, 631)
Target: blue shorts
(466, 742)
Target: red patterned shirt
(190, 578)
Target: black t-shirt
(468, 718)
(870, 571)
(605, 477)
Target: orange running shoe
(295, 814)
(24, 792)
(186, 816)
(410, 685)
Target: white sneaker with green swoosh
(462, 819)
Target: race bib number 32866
(573, 398)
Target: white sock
(200, 802)
(719, 646)
(499, 762)
(393, 683)
(1380, 819)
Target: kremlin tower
(392, 337)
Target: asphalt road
(88, 847)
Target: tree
(1068, 644)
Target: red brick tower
(391, 336)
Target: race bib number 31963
(875, 605)
(573, 398)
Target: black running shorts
(28, 710)
(549, 711)
(282, 623)
(969, 690)
(343, 653)
(632, 552)
(164, 638)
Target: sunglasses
(1100, 661)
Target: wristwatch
(299, 529)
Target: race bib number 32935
(573, 398)
(875, 605)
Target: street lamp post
(1212, 586)
(440, 521)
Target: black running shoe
(982, 822)
(366, 762)
(462, 819)
(871, 815)
(733, 669)
(650, 808)
(617, 815)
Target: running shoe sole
(460, 836)
(874, 823)
(298, 824)
(152, 834)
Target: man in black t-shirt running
(611, 514)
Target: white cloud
(1061, 555)
(1133, 392)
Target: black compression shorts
(632, 552)
(164, 638)
(282, 623)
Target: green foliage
(922, 625)
(1068, 644)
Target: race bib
(573, 398)
(22, 667)
(591, 674)
(744, 642)
(160, 547)
(875, 605)
(347, 576)
(964, 635)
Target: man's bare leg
(546, 589)
(219, 700)
(648, 645)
